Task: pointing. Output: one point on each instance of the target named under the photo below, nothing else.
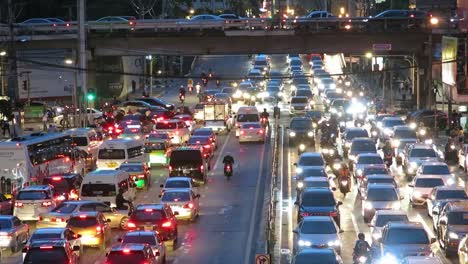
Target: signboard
(449, 63)
(262, 259)
(382, 47)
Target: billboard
(449, 57)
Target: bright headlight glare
(396, 206)
(304, 243)
(376, 235)
(292, 134)
(299, 170)
(300, 185)
(379, 124)
(348, 144)
(246, 95)
(352, 157)
(368, 206)
(374, 133)
(314, 125)
(417, 194)
(349, 93)
(387, 131)
(422, 132)
(450, 181)
(396, 143)
(333, 110)
(335, 243)
(310, 134)
(293, 87)
(453, 235)
(389, 259)
(332, 85)
(325, 151)
(252, 97)
(414, 165)
(359, 171)
(302, 147)
(336, 166)
(412, 125)
(339, 90)
(331, 151)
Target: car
(428, 117)
(58, 216)
(437, 168)
(463, 250)
(56, 251)
(55, 233)
(209, 132)
(387, 126)
(381, 218)
(251, 132)
(452, 226)
(317, 256)
(113, 20)
(177, 183)
(361, 145)
(222, 98)
(437, 207)
(203, 142)
(422, 260)
(363, 160)
(178, 130)
(305, 92)
(131, 253)
(228, 90)
(325, 82)
(421, 187)
(301, 130)
(318, 201)
(133, 133)
(146, 237)
(315, 182)
(157, 102)
(44, 21)
(136, 106)
(417, 154)
(184, 202)
(375, 169)
(65, 185)
(208, 95)
(206, 17)
(312, 171)
(31, 201)
(309, 160)
(298, 105)
(442, 193)
(462, 157)
(317, 231)
(139, 172)
(93, 227)
(6, 205)
(13, 233)
(373, 179)
(400, 150)
(402, 239)
(155, 217)
(318, 15)
(351, 133)
(379, 196)
(402, 133)
(188, 161)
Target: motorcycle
(388, 160)
(451, 154)
(181, 98)
(345, 185)
(228, 170)
(360, 259)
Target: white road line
(220, 152)
(280, 192)
(248, 245)
(420, 219)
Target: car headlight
(349, 93)
(389, 259)
(339, 90)
(314, 125)
(361, 94)
(300, 185)
(387, 131)
(368, 205)
(428, 141)
(321, 86)
(292, 134)
(280, 94)
(376, 236)
(246, 95)
(333, 110)
(396, 143)
(340, 114)
(347, 83)
(331, 151)
(422, 132)
(293, 87)
(332, 85)
(352, 157)
(413, 125)
(379, 124)
(310, 134)
(417, 194)
(325, 151)
(450, 181)
(453, 235)
(302, 147)
(262, 83)
(413, 165)
(396, 206)
(359, 172)
(304, 243)
(252, 97)
(299, 170)
(336, 166)
(348, 144)
(335, 243)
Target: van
(87, 140)
(188, 161)
(246, 114)
(103, 186)
(112, 153)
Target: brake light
(207, 146)
(18, 204)
(58, 220)
(177, 132)
(334, 213)
(242, 132)
(141, 176)
(128, 122)
(260, 132)
(250, 127)
(46, 247)
(170, 168)
(111, 128)
(68, 24)
(148, 210)
(98, 230)
(82, 216)
(189, 206)
(131, 225)
(46, 204)
(131, 23)
(304, 214)
(202, 167)
(167, 224)
(118, 130)
(126, 251)
(56, 178)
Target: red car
(203, 141)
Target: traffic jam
(350, 156)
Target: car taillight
(18, 204)
(188, 206)
(141, 176)
(242, 132)
(334, 213)
(207, 146)
(46, 204)
(167, 224)
(304, 214)
(98, 230)
(202, 167)
(260, 131)
(177, 132)
(110, 128)
(131, 225)
(170, 168)
(56, 178)
(118, 130)
(58, 220)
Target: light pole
(150, 58)
(70, 62)
(2, 70)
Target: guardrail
(272, 210)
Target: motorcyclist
(264, 114)
(120, 201)
(387, 149)
(361, 248)
(182, 91)
(344, 171)
(198, 87)
(450, 150)
(228, 160)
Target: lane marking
(426, 226)
(290, 212)
(248, 245)
(221, 152)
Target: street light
(369, 55)
(3, 53)
(434, 21)
(70, 62)
(192, 11)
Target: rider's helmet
(361, 236)
(264, 110)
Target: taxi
(133, 133)
(177, 129)
(139, 173)
(92, 226)
(158, 147)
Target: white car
(33, 200)
(251, 132)
(177, 129)
(437, 168)
(381, 218)
(422, 260)
(299, 105)
(91, 113)
(183, 201)
(422, 186)
(177, 183)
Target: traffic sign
(382, 47)
(262, 259)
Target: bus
(27, 160)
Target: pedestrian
(45, 117)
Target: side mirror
(76, 248)
(435, 212)
(296, 203)
(176, 213)
(333, 188)
(443, 222)
(108, 220)
(119, 239)
(197, 196)
(433, 240)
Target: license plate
(148, 228)
(46, 219)
(112, 164)
(186, 171)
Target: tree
(144, 7)
(5, 108)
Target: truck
(218, 117)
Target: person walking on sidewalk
(5, 126)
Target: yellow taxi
(93, 227)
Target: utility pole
(12, 73)
(82, 54)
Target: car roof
(317, 218)
(434, 163)
(355, 129)
(380, 186)
(428, 176)
(449, 188)
(458, 205)
(203, 129)
(86, 213)
(380, 176)
(36, 188)
(317, 190)
(390, 212)
(48, 230)
(315, 179)
(179, 179)
(416, 225)
(140, 233)
(6, 216)
(130, 246)
(181, 148)
(422, 146)
(311, 154)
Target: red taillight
(250, 127)
(46, 247)
(126, 251)
(304, 214)
(141, 176)
(98, 230)
(68, 24)
(118, 130)
(18, 204)
(148, 210)
(110, 128)
(202, 167)
(260, 131)
(334, 214)
(56, 178)
(46, 204)
(167, 224)
(189, 206)
(242, 132)
(131, 225)
(170, 168)
(58, 220)
(177, 132)
(82, 216)
(207, 146)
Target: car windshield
(316, 258)
(318, 199)
(428, 182)
(80, 141)
(32, 195)
(175, 196)
(98, 189)
(313, 172)
(186, 157)
(451, 194)
(406, 236)
(314, 114)
(40, 256)
(311, 161)
(177, 184)
(301, 124)
(198, 140)
(404, 133)
(384, 219)
(317, 184)
(363, 146)
(120, 257)
(393, 122)
(247, 118)
(111, 154)
(251, 126)
(5, 223)
(370, 160)
(202, 132)
(166, 125)
(381, 180)
(458, 218)
(422, 153)
(318, 227)
(299, 100)
(82, 221)
(382, 194)
(46, 236)
(370, 171)
(140, 239)
(148, 215)
(436, 169)
(65, 208)
(132, 168)
(350, 135)
(306, 93)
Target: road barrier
(272, 238)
